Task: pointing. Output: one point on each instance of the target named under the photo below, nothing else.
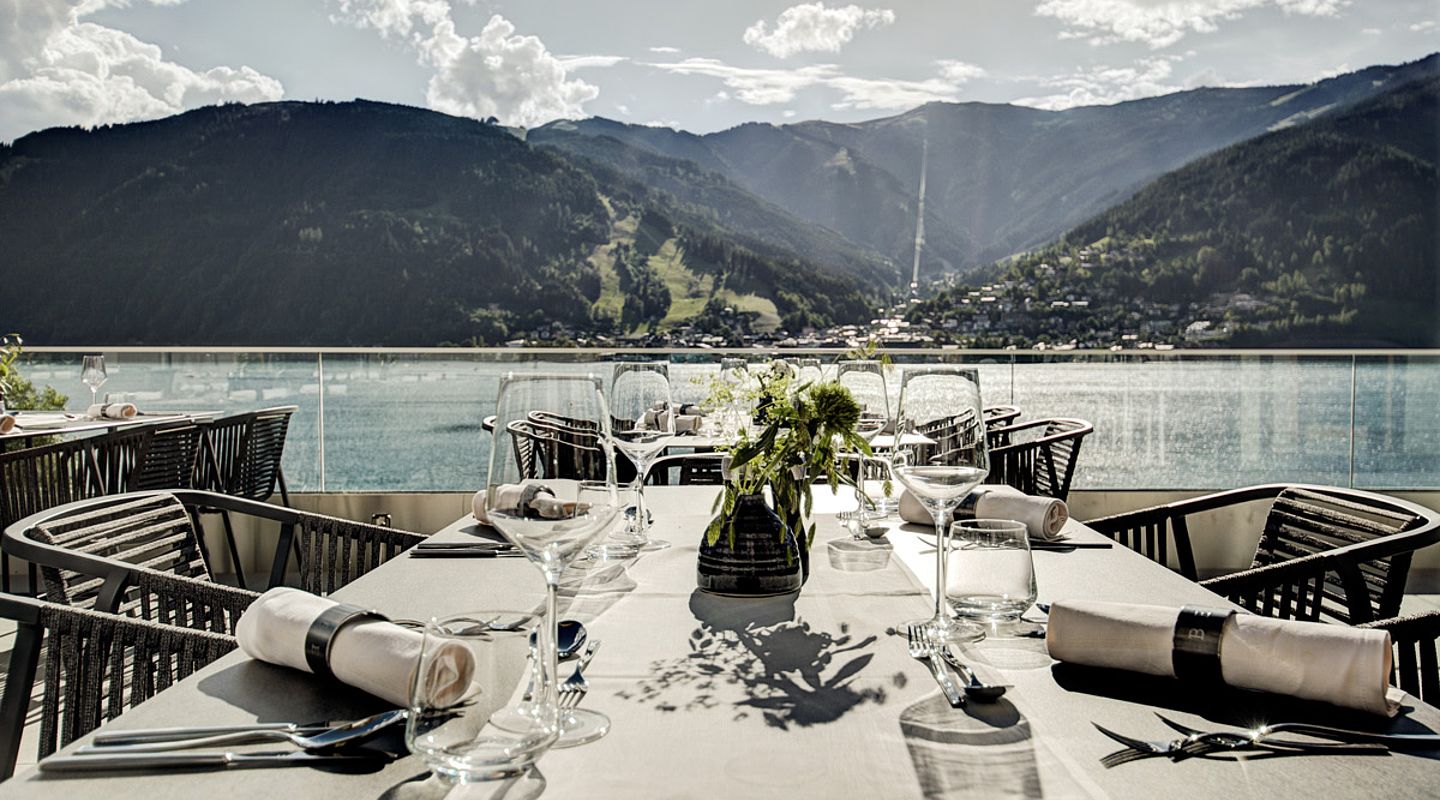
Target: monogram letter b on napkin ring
(1196, 644)
(321, 634)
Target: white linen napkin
(1334, 664)
(7, 423)
(1043, 516)
(371, 655)
(659, 418)
(509, 496)
(111, 411)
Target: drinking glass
(92, 374)
(642, 425)
(617, 544)
(810, 371)
(474, 670)
(544, 516)
(940, 456)
(866, 383)
(992, 577)
(735, 374)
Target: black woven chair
(155, 531)
(37, 478)
(1039, 457)
(1416, 639)
(1325, 551)
(543, 451)
(96, 666)
(240, 457)
(996, 419)
(136, 555)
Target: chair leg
(234, 552)
(5, 572)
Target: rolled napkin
(659, 418)
(7, 423)
(111, 411)
(1334, 664)
(372, 655)
(539, 500)
(1043, 516)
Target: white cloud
(623, 109)
(814, 27)
(56, 69)
(1103, 85)
(764, 87)
(1163, 23)
(583, 62)
(1370, 31)
(495, 74)
(958, 71)
(665, 50)
(788, 113)
(1422, 26)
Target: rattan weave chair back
(1044, 465)
(332, 552)
(95, 667)
(168, 460)
(243, 453)
(1304, 522)
(1416, 640)
(154, 532)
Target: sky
(699, 66)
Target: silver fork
(920, 650)
(1199, 743)
(576, 682)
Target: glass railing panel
(1178, 422)
(1397, 422)
(212, 383)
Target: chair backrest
(1416, 639)
(996, 419)
(243, 453)
(80, 546)
(37, 478)
(1305, 521)
(96, 666)
(543, 451)
(1044, 465)
(168, 460)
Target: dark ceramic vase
(764, 561)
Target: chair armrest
(184, 602)
(1301, 589)
(1128, 520)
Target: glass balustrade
(394, 420)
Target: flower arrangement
(801, 428)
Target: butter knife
(154, 761)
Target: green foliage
(803, 430)
(17, 393)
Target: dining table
(31, 425)
(810, 694)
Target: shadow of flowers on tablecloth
(769, 662)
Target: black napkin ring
(1195, 646)
(321, 635)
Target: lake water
(400, 422)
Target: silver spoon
(329, 739)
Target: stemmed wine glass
(547, 517)
(940, 457)
(92, 374)
(866, 381)
(642, 425)
(735, 374)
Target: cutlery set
(1261, 740)
(465, 550)
(937, 657)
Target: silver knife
(149, 735)
(128, 761)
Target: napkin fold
(111, 411)
(659, 418)
(1043, 516)
(374, 656)
(1335, 664)
(542, 502)
(7, 423)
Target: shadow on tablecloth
(981, 750)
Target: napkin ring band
(321, 634)
(1195, 653)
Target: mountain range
(372, 223)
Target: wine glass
(940, 456)
(735, 374)
(642, 425)
(92, 374)
(544, 516)
(866, 382)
